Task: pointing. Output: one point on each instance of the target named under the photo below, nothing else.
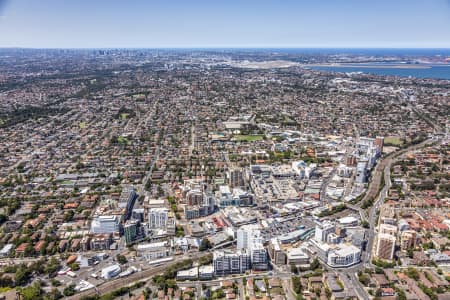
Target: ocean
(435, 72)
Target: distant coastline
(430, 71)
(370, 66)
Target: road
(286, 283)
(141, 187)
(241, 289)
(362, 294)
(325, 183)
(192, 144)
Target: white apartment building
(158, 218)
(106, 224)
(230, 262)
(154, 251)
(246, 235)
(344, 256)
(249, 238)
(323, 230)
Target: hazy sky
(224, 23)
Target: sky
(225, 23)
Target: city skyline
(231, 24)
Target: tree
(54, 294)
(205, 245)
(315, 264)
(147, 293)
(51, 267)
(69, 291)
(171, 283)
(74, 266)
(3, 218)
(6, 282)
(378, 293)
(413, 273)
(294, 269)
(364, 279)
(68, 216)
(206, 260)
(410, 252)
(365, 224)
(22, 275)
(296, 284)
(29, 250)
(31, 292)
(400, 294)
(55, 282)
(179, 231)
(121, 259)
(219, 294)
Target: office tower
(130, 231)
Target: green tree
(51, 267)
(74, 266)
(294, 269)
(413, 273)
(121, 259)
(315, 264)
(205, 245)
(22, 275)
(31, 292)
(54, 294)
(69, 291)
(296, 284)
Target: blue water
(405, 54)
(436, 72)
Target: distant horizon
(227, 48)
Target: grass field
(124, 116)
(393, 140)
(248, 138)
(123, 140)
(82, 125)
(139, 97)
